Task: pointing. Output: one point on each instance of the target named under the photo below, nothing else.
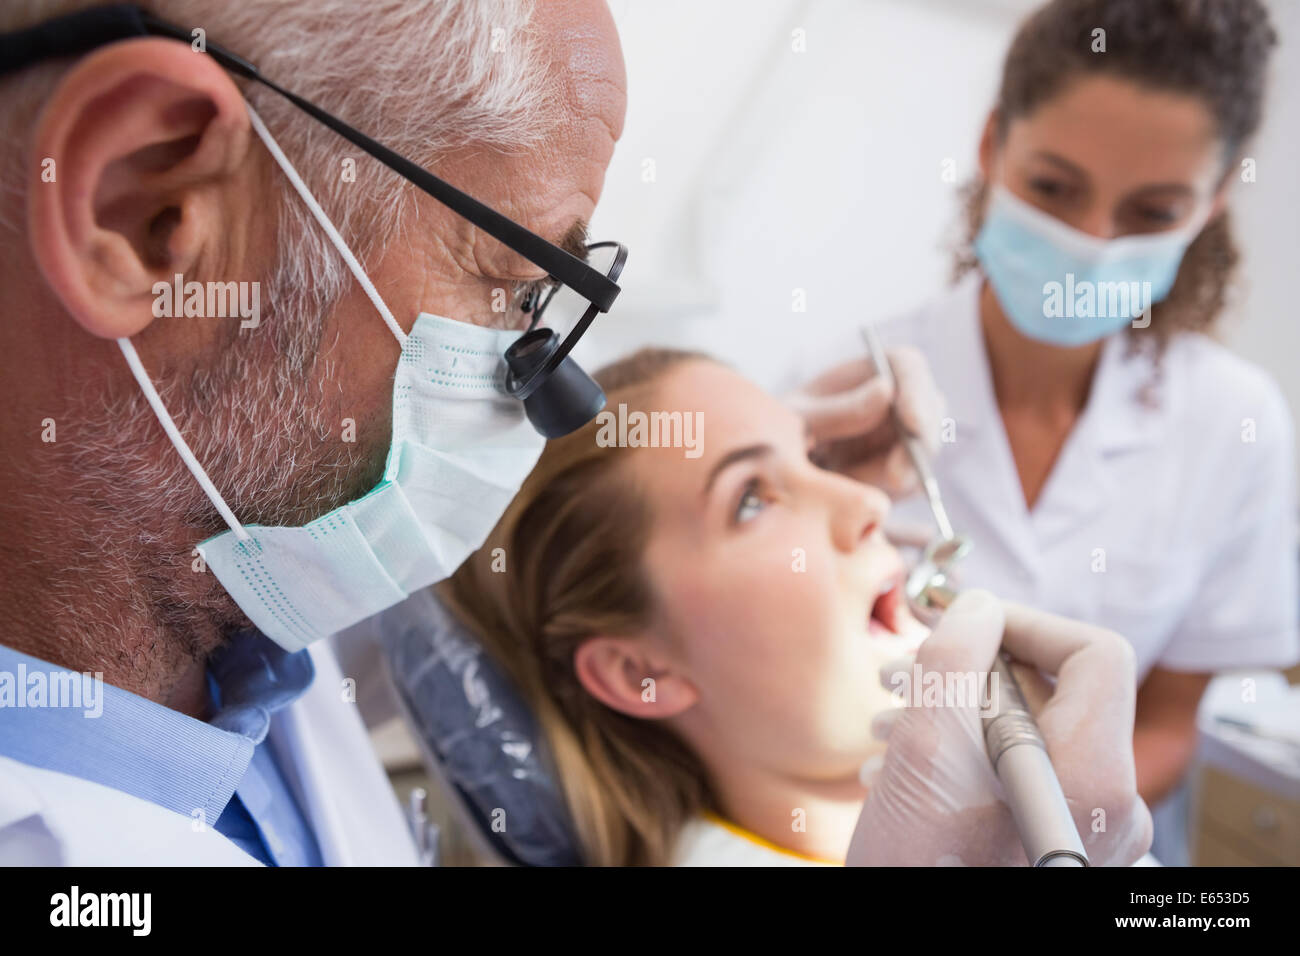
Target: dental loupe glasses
(1015, 746)
(557, 395)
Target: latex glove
(847, 412)
(934, 799)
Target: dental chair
(478, 739)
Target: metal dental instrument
(915, 450)
(1016, 747)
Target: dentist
(169, 480)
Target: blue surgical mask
(1065, 287)
(461, 447)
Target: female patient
(700, 636)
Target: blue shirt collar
(252, 678)
(143, 748)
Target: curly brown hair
(1216, 50)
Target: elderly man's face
(453, 269)
(158, 172)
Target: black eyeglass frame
(537, 312)
(78, 33)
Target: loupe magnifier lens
(558, 396)
(567, 398)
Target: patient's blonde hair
(573, 542)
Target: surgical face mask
(1064, 287)
(460, 449)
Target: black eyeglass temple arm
(81, 32)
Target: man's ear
(147, 138)
(626, 675)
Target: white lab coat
(1173, 525)
(52, 819)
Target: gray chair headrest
(474, 725)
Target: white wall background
(748, 170)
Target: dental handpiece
(1019, 756)
(1015, 746)
(915, 451)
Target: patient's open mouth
(888, 606)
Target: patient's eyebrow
(733, 456)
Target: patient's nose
(856, 511)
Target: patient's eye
(751, 502)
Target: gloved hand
(847, 411)
(933, 798)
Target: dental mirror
(928, 585)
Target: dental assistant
(1111, 461)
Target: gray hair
(421, 77)
(424, 78)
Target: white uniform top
(1173, 525)
(54, 819)
(710, 841)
